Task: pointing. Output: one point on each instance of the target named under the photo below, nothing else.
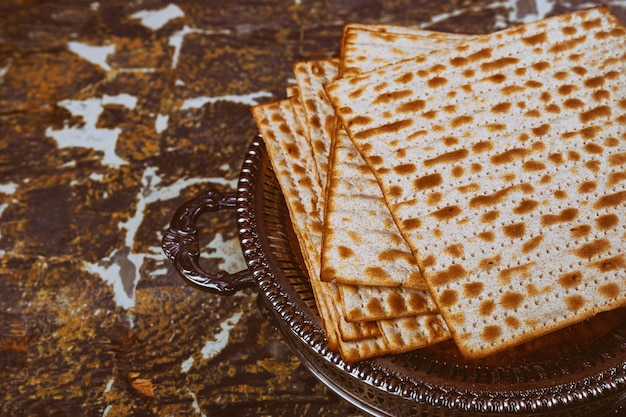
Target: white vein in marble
(156, 19)
(196, 406)
(249, 99)
(214, 346)
(95, 54)
(88, 135)
(8, 188)
(4, 70)
(176, 40)
(161, 122)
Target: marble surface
(112, 114)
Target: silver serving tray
(578, 371)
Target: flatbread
(294, 168)
(287, 147)
(310, 76)
(362, 246)
(293, 93)
(415, 332)
(361, 243)
(365, 47)
(367, 303)
(320, 115)
(502, 161)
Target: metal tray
(577, 371)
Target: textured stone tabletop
(112, 114)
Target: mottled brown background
(97, 150)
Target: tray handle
(181, 245)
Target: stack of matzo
(478, 180)
(363, 316)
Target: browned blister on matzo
(503, 162)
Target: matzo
(294, 169)
(379, 303)
(289, 154)
(405, 334)
(366, 47)
(310, 77)
(320, 116)
(502, 160)
(361, 243)
(293, 93)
